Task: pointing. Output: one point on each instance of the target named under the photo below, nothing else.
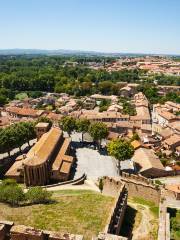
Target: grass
(175, 223)
(152, 206)
(78, 212)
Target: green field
(80, 212)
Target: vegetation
(121, 150)
(78, 212)
(135, 137)
(68, 124)
(152, 206)
(12, 193)
(33, 75)
(22, 76)
(16, 135)
(98, 131)
(175, 226)
(134, 215)
(104, 104)
(101, 184)
(128, 109)
(38, 195)
(82, 125)
(151, 92)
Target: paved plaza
(94, 164)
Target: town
(115, 136)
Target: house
(147, 163)
(17, 112)
(100, 97)
(89, 103)
(178, 151)
(172, 142)
(126, 91)
(162, 116)
(136, 144)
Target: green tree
(82, 125)
(121, 150)
(98, 131)
(68, 124)
(11, 193)
(135, 137)
(101, 184)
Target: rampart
(118, 211)
(137, 186)
(9, 231)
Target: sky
(132, 26)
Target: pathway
(145, 226)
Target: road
(16, 150)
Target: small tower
(41, 128)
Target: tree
(10, 192)
(101, 184)
(98, 131)
(16, 135)
(38, 195)
(135, 137)
(121, 150)
(68, 124)
(82, 125)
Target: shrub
(101, 184)
(38, 195)
(11, 193)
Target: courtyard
(92, 162)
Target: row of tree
(97, 130)
(15, 135)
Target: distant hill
(68, 52)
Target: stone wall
(21, 232)
(137, 186)
(107, 236)
(118, 211)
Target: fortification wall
(137, 186)
(118, 211)
(21, 232)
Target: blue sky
(150, 26)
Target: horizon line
(93, 51)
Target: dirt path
(145, 226)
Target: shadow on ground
(128, 222)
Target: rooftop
(147, 159)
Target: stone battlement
(137, 186)
(137, 178)
(118, 211)
(9, 231)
